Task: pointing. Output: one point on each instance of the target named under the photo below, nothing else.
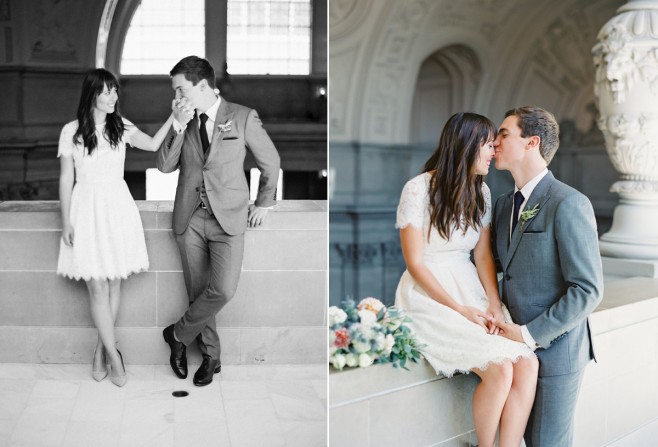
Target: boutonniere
(527, 215)
(225, 127)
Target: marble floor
(262, 405)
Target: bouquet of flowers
(367, 333)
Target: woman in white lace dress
(443, 216)
(102, 237)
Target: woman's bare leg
(489, 400)
(101, 313)
(115, 299)
(519, 402)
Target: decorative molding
(5, 10)
(346, 16)
(52, 30)
(387, 72)
(640, 185)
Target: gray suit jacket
(222, 172)
(552, 275)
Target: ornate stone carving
(346, 15)
(626, 53)
(626, 63)
(52, 30)
(630, 140)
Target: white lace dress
(108, 234)
(454, 344)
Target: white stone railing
(277, 316)
(618, 404)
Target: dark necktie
(204, 133)
(518, 200)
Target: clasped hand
(493, 321)
(183, 110)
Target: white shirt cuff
(266, 207)
(528, 339)
(178, 127)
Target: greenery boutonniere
(527, 215)
(225, 127)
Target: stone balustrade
(277, 316)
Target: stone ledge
(365, 402)
(45, 215)
(277, 316)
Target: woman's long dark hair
(455, 189)
(95, 82)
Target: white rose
(364, 360)
(390, 341)
(336, 316)
(339, 361)
(351, 360)
(367, 317)
(360, 346)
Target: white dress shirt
(526, 191)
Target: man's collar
(530, 186)
(212, 110)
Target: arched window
(252, 36)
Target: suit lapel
(539, 196)
(223, 116)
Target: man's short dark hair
(536, 121)
(195, 69)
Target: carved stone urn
(626, 88)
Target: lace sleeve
(486, 218)
(413, 203)
(66, 146)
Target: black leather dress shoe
(177, 359)
(208, 368)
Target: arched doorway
(447, 83)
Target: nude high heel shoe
(99, 374)
(120, 380)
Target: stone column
(626, 88)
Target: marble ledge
(626, 303)
(157, 215)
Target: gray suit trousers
(551, 418)
(212, 261)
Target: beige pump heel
(120, 380)
(99, 374)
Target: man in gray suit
(208, 142)
(544, 236)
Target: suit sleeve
(168, 156)
(580, 264)
(266, 157)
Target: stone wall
(381, 406)
(277, 316)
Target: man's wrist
(528, 339)
(178, 127)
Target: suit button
(507, 277)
